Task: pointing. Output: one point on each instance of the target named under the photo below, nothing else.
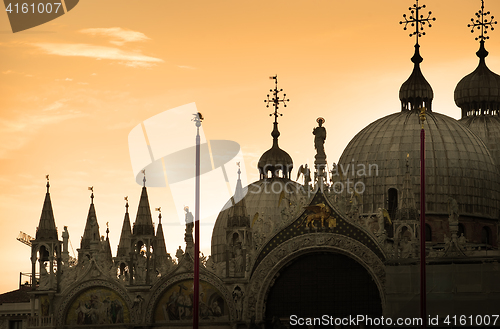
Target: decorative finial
(422, 116)
(126, 204)
(417, 20)
(107, 230)
(144, 179)
(276, 100)
(159, 215)
(239, 171)
(48, 185)
(482, 23)
(91, 188)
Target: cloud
(120, 36)
(20, 73)
(55, 106)
(15, 133)
(186, 67)
(97, 52)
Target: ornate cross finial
(48, 185)
(417, 20)
(239, 171)
(159, 215)
(144, 179)
(126, 204)
(276, 100)
(482, 23)
(91, 188)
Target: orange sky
(72, 89)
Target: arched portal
(322, 283)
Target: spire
(124, 244)
(416, 92)
(159, 246)
(238, 215)
(275, 159)
(238, 191)
(91, 234)
(143, 224)
(407, 208)
(479, 92)
(47, 224)
(107, 246)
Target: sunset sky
(71, 90)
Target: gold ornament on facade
(320, 212)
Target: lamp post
(196, 280)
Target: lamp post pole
(423, 288)
(196, 280)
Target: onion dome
(416, 92)
(275, 159)
(479, 92)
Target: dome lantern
(275, 159)
(478, 93)
(416, 92)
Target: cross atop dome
(482, 23)
(416, 92)
(276, 100)
(417, 20)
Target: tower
(143, 235)
(46, 249)
(124, 247)
(90, 243)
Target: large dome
(270, 204)
(487, 127)
(458, 164)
